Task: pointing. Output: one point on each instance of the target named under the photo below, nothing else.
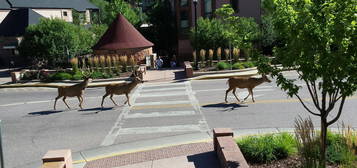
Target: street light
(196, 61)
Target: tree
(320, 43)
(114, 7)
(226, 28)
(54, 41)
(161, 30)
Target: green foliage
(114, 7)
(338, 150)
(238, 65)
(54, 41)
(248, 64)
(98, 30)
(77, 75)
(163, 26)
(222, 65)
(319, 41)
(267, 148)
(96, 75)
(213, 33)
(61, 76)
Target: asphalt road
(30, 127)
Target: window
(183, 2)
(184, 19)
(235, 5)
(208, 8)
(65, 13)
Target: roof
(122, 35)
(4, 5)
(79, 5)
(16, 22)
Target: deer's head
(87, 79)
(266, 79)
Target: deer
(245, 82)
(122, 88)
(75, 90)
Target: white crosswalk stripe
(161, 129)
(162, 94)
(163, 89)
(162, 103)
(160, 114)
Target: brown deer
(72, 91)
(244, 82)
(122, 88)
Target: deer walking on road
(121, 88)
(244, 82)
(72, 91)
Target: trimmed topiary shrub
(248, 64)
(61, 76)
(238, 66)
(222, 65)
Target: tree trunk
(323, 144)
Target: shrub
(248, 64)
(61, 76)
(338, 150)
(238, 66)
(96, 75)
(222, 65)
(267, 148)
(77, 75)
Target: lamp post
(196, 61)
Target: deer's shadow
(225, 106)
(96, 110)
(45, 112)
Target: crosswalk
(146, 115)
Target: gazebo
(122, 39)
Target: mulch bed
(291, 162)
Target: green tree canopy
(225, 29)
(54, 41)
(131, 13)
(320, 43)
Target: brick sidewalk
(201, 154)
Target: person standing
(159, 63)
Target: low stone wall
(227, 150)
(57, 159)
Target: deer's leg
(106, 94)
(248, 95)
(64, 100)
(54, 106)
(228, 90)
(127, 98)
(80, 99)
(251, 92)
(234, 93)
(111, 98)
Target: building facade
(17, 15)
(185, 18)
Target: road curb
(56, 85)
(251, 72)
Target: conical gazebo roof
(122, 35)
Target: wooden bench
(57, 159)
(227, 150)
(188, 69)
